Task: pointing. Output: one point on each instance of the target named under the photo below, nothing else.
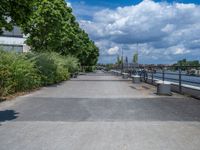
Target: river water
(174, 77)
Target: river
(174, 77)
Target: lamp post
(122, 59)
(137, 55)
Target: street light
(122, 60)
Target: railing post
(122, 68)
(180, 81)
(163, 74)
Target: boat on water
(194, 72)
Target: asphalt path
(98, 111)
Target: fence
(179, 75)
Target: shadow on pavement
(103, 109)
(91, 80)
(8, 115)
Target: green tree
(14, 12)
(119, 60)
(184, 64)
(135, 58)
(52, 27)
(48, 26)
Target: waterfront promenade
(98, 111)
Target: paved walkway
(99, 112)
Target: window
(16, 32)
(16, 48)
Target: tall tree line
(50, 26)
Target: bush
(88, 68)
(53, 67)
(17, 73)
(22, 72)
(71, 63)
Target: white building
(13, 40)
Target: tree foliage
(135, 58)
(184, 64)
(119, 60)
(52, 27)
(14, 12)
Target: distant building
(13, 41)
(193, 72)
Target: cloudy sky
(166, 31)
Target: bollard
(163, 88)
(125, 75)
(135, 78)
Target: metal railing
(179, 75)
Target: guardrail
(173, 74)
(179, 76)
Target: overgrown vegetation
(15, 12)
(50, 26)
(17, 74)
(24, 72)
(58, 45)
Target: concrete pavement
(96, 112)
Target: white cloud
(113, 50)
(181, 51)
(163, 30)
(69, 4)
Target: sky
(163, 32)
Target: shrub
(22, 72)
(52, 67)
(71, 63)
(17, 73)
(88, 68)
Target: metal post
(152, 77)
(180, 81)
(163, 74)
(122, 59)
